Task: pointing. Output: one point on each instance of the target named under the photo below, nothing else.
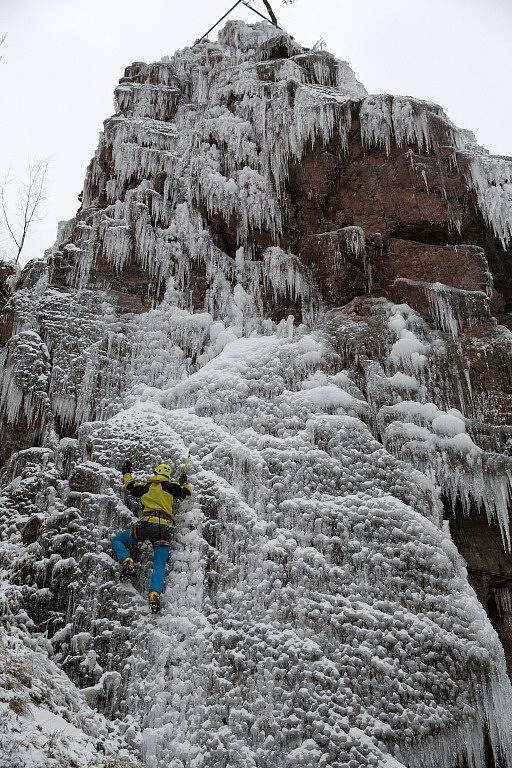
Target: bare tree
(31, 197)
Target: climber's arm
(180, 490)
(136, 489)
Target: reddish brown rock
(7, 273)
(461, 266)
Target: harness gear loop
(157, 520)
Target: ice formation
(491, 177)
(452, 307)
(316, 611)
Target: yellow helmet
(164, 469)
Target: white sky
(62, 59)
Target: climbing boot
(154, 601)
(127, 568)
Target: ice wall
(316, 612)
(315, 609)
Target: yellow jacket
(157, 495)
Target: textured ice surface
(44, 719)
(316, 612)
(312, 596)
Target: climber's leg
(120, 544)
(161, 554)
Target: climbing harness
(239, 2)
(158, 520)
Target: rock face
(309, 289)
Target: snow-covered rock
(316, 611)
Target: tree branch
(270, 11)
(5, 216)
(32, 196)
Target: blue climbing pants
(157, 534)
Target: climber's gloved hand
(126, 468)
(183, 479)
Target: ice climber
(157, 497)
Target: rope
(219, 21)
(239, 2)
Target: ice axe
(135, 454)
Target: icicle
(285, 274)
(452, 307)
(408, 121)
(145, 100)
(439, 445)
(491, 178)
(441, 307)
(503, 598)
(24, 362)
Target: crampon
(154, 602)
(127, 568)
